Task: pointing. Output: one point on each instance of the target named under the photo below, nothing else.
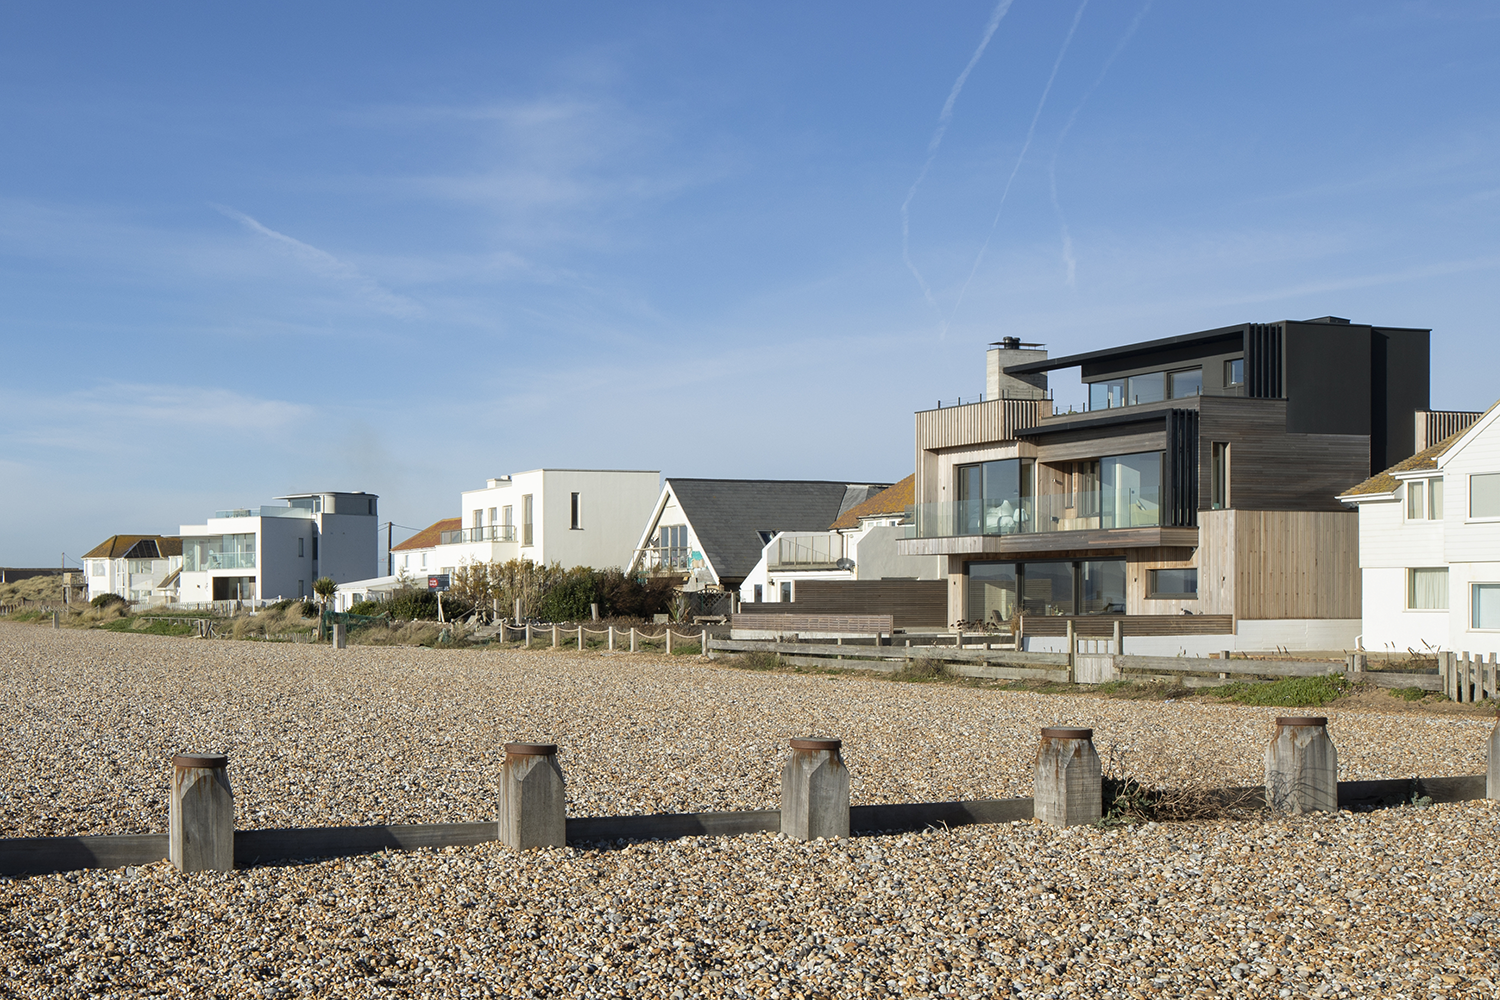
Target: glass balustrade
(486, 533)
(1125, 507)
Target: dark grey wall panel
(1328, 379)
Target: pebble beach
(1399, 902)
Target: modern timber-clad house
(1201, 480)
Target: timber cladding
(978, 423)
(910, 603)
(1279, 564)
(1270, 469)
(1103, 626)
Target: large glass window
(1130, 490)
(1484, 495)
(1107, 395)
(1185, 384)
(1101, 587)
(1486, 605)
(218, 552)
(997, 590)
(994, 497)
(1148, 388)
(1427, 589)
(992, 592)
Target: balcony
(219, 560)
(664, 559)
(487, 533)
(265, 512)
(814, 550)
(1128, 507)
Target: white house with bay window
(1429, 546)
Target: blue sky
(403, 248)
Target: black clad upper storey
(1335, 376)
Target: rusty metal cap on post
(200, 760)
(1066, 733)
(1301, 720)
(531, 749)
(816, 743)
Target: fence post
(611, 644)
(958, 640)
(340, 636)
(815, 790)
(669, 640)
(533, 804)
(1492, 785)
(1068, 782)
(632, 638)
(554, 635)
(1119, 637)
(528, 635)
(594, 611)
(518, 609)
(1072, 651)
(1302, 767)
(703, 643)
(200, 819)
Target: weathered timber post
(1072, 650)
(340, 636)
(1492, 785)
(1302, 767)
(533, 806)
(56, 622)
(703, 643)
(632, 638)
(200, 821)
(594, 611)
(518, 609)
(958, 640)
(528, 635)
(1069, 787)
(815, 790)
(611, 639)
(1119, 649)
(580, 637)
(669, 640)
(554, 635)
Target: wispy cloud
(1067, 240)
(326, 265)
(1020, 158)
(944, 117)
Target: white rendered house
(1429, 546)
(139, 568)
(269, 553)
(859, 545)
(575, 517)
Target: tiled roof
(728, 515)
(1386, 482)
(429, 536)
(135, 547)
(891, 501)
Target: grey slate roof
(728, 515)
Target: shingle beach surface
(1401, 902)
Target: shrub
(105, 600)
(568, 599)
(369, 608)
(1289, 692)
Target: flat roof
(1144, 347)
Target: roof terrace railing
(484, 533)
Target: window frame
(576, 504)
(1411, 589)
(1474, 586)
(1153, 594)
(1469, 506)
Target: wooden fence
(1469, 677)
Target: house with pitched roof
(1429, 545)
(139, 568)
(711, 533)
(860, 544)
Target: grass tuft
(1289, 692)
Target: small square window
(1427, 589)
(1234, 372)
(1484, 495)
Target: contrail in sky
(944, 117)
(1030, 132)
(1067, 239)
(324, 263)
